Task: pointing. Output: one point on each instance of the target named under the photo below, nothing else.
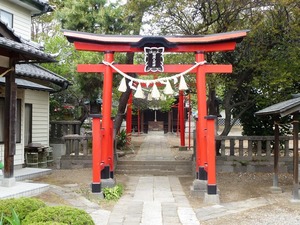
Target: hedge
(60, 214)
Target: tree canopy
(265, 64)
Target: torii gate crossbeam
(205, 148)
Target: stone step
(155, 167)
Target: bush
(60, 214)
(22, 206)
(47, 223)
(113, 193)
(122, 139)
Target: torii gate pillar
(107, 140)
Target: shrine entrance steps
(155, 168)
(155, 157)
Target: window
(18, 121)
(28, 124)
(7, 18)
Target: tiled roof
(18, 38)
(38, 72)
(30, 52)
(27, 85)
(282, 108)
(27, 52)
(134, 39)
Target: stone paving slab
(154, 147)
(22, 189)
(154, 203)
(28, 173)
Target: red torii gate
(205, 134)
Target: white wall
(40, 114)
(21, 18)
(40, 121)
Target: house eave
(36, 7)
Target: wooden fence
(237, 153)
(254, 147)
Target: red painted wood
(96, 149)
(198, 44)
(127, 68)
(125, 47)
(202, 112)
(106, 108)
(211, 152)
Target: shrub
(60, 214)
(22, 206)
(14, 220)
(113, 193)
(122, 139)
(47, 223)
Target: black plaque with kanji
(154, 60)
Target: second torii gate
(109, 44)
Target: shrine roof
(21, 83)
(282, 108)
(133, 40)
(38, 72)
(26, 53)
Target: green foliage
(47, 223)
(163, 105)
(266, 65)
(113, 193)
(22, 206)
(60, 214)
(13, 220)
(123, 139)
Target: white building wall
(21, 18)
(19, 156)
(40, 115)
(40, 121)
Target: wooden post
(96, 149)
(276, 153)
(201, 124)
(142, 122)
(189, 115)
(129, 115)
(295, 157)
(139, 123)
(111, 150)
(106, 112)
(181, 119)
(170, 121)
(211, 156)
(178, 118)
(10, 124)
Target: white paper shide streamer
(155, 94)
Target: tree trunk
(124, 98)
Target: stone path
(154, 147)
(153, 200)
